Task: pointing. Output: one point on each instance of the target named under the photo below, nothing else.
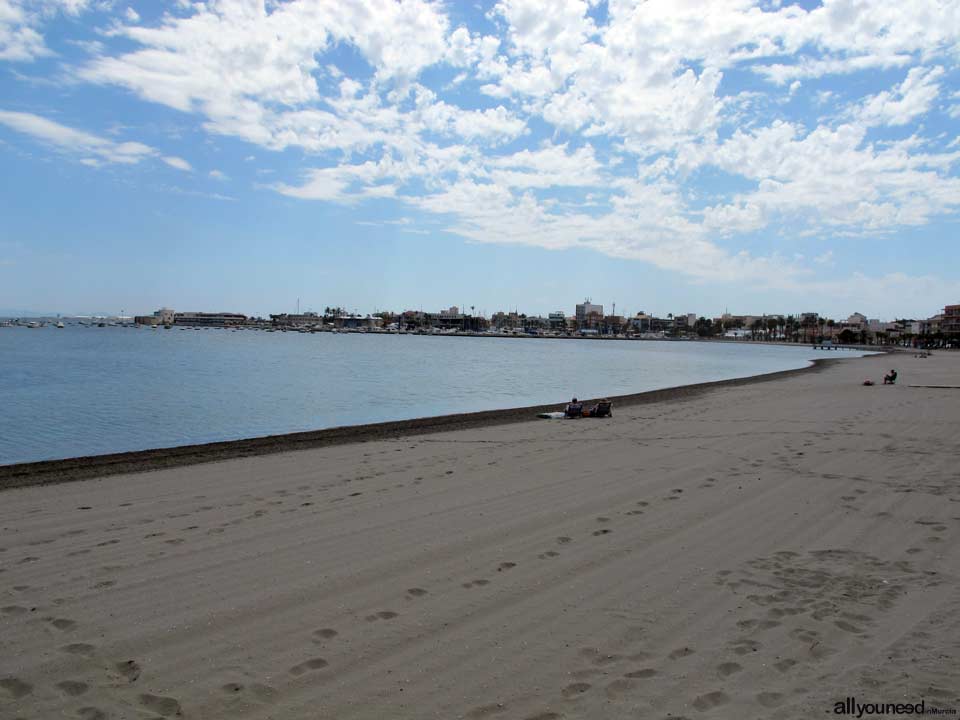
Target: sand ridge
(752, 551)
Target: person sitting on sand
(574, 409)
(891, 378)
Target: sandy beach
(751, 550)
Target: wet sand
(744, 550)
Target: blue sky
(667, 156)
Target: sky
(667, 156)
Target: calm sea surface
(86, 391)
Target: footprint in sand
(417, 592)
(606, 659)
(73, 688)
(166, 706)
(784, 665)
(63, 624)
(848, 627)
(575, 690)
(15, 688)
(91, 713)
(14, 610)
(710, 700)
(642, 674)
(382, 615)
(563, 539)
(506, 566)
(548, 554)
(544, 716)
(79, 649)
(745, 647)
(603, 519)
(232, 688)
(770, 699)
(728, 668)
(681, 653)
(479, 583)
(312, 664)
(325, 633)
(129, 669)
(602, 531)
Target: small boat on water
(59, 325)
(33, 324)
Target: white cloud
(92, 150)
(624, 110)
(906, 102)
(218, 175)
(825, 258)
(21, 22)
(176, 162)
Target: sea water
(88, 390)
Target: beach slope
(757, 550)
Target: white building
(164, 316)
(587, 308)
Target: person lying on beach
(574, 409)
(891, 378)
(601, 409)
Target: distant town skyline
(762, 157)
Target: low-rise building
(203, 319)
(307, 319)
(163, 316)
(558, 321)
(950, 322)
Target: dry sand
(754, 551)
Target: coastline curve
(49, 472)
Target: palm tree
(791, 328)
(772, 324)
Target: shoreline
(855, 347)
(49, 472)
